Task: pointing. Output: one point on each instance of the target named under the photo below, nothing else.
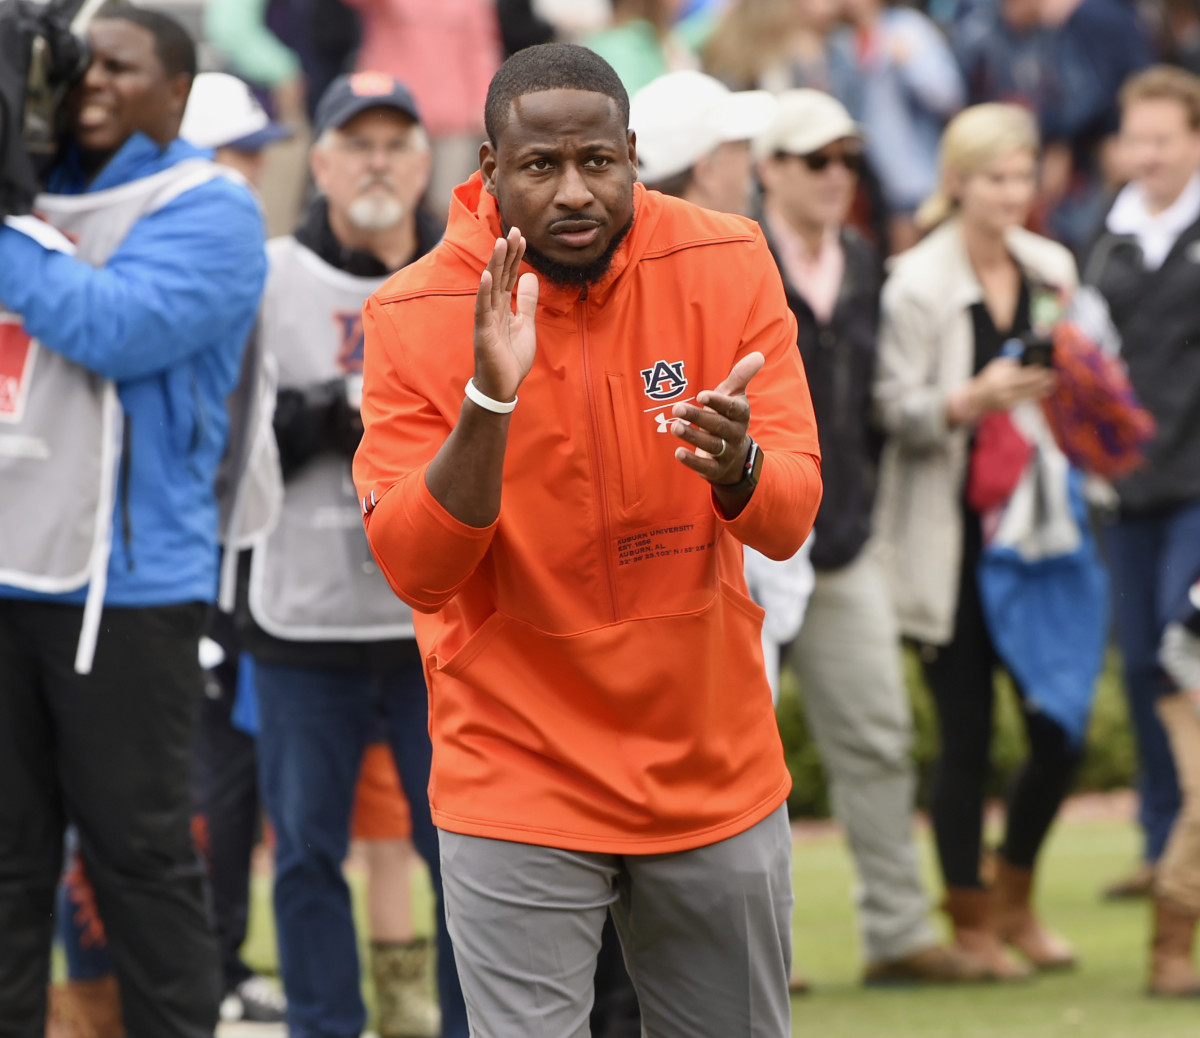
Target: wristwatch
(750, 472)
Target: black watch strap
(750, 471)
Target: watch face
(753, 464)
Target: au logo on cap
(371, 84)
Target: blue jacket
(166, 319)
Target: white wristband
(486, 402)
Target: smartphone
(1037, 351)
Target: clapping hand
(505, 342)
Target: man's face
(1161, 149)
(814, 197)
(725, 177)
(125, 90)
(373, 170)
(562, 171)
(249, 164)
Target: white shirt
(1156, 233)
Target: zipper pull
(583, 293)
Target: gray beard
(375, 214)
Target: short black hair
(550, 66)
(173, 44)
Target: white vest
(313, 577)
(61, 425)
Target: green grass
(1103, 999)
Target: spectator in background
(694, 139)
(1095, 46)
(526, 23)
(522, 25)
(948, 306)
(641, 43)
(847, 653)
(224, 115)
(1175, 25)
(1177, 899)
(1145, 264)
(1004, 52)
(381, 826)
(780, 44)
(240, 30)
(910, 85)
(332, 645)
(446, 52)
(153, 310)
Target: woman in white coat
(950, 305)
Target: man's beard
(371, 211)
(570, 275)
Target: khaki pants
(847, 657)
(1179, 868)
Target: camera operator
(152, 310)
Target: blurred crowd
(985, 216)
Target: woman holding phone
(954, 312)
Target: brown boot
(1139, 883)
(1172, 974)
(62, 1017)
(403, 990)
(970, 911)
(798, 983)
(85, 1009)
(932, 965)
(1016, 923)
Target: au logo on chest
(665, 380)
(351, 340)
(17, 354)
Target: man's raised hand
(505, 342)
(717, 425)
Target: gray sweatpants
(847, 657)
(707, 934)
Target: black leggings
(961, 678)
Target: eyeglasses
(819, 161)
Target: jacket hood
(475, 225)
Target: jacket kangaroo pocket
(473, 646)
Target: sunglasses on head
(818, 161)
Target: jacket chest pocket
(630, 460)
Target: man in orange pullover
(601, 719)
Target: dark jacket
(314, 421)
(1158, 315)
(839, 359)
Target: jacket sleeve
(182, 274)
(425, 553)
(909, 405)
(781, 511)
